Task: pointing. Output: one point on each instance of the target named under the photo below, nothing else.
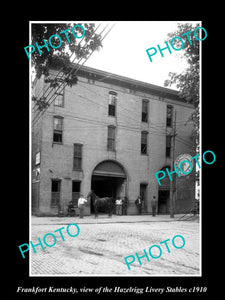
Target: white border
(30, 167)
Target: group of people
(121, 206)
(139, 204)
(81, 204)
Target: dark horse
(101, 202)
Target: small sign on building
(38, 158)
(36, 174)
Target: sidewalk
(104, 219)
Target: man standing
(138, 203)
(124, 205)
(153, 206)
(81, 204)
(119, 206)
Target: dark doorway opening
(106, 186)
(164, 202)
(143, 194)
(75, 191)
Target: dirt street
(100, 248)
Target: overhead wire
(60, 70)
(121, 113)
(86, 120)
(150, 125)
(156, 128)
(153, 129)
(57, 88)
(186, 143)
(74, 67)
(181, 123)
(48, 102)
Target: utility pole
(173, 134)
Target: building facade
(109, 134)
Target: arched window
(112, 103)
(169, 115)
(144, 115)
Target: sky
(124, 51)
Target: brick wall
(85, 121)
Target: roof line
(129, 83)
(107, 74)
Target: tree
(61, 57)
(188, 81)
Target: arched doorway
(108, 180)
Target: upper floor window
(59, 100)
(112, 103)
(144, 142)
(57, 129)
(53, 82)
(111, 138)
(169, 115)
(168, 145)
(77, 156)
(144, 116)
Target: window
(169, 116)
(144, 142)
(55, 83)
(58, 129)
(55, 192)
(59, 100)
(168, 145)
(77, 157)
(112, 103)
(75, 192)
(111, 138)
(91, 81)
(144, 117)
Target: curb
(65, 221)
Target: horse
(101, 202)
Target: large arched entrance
(108, 180)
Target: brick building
(109, 133)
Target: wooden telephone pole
(173, 134)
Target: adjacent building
(109, 134)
